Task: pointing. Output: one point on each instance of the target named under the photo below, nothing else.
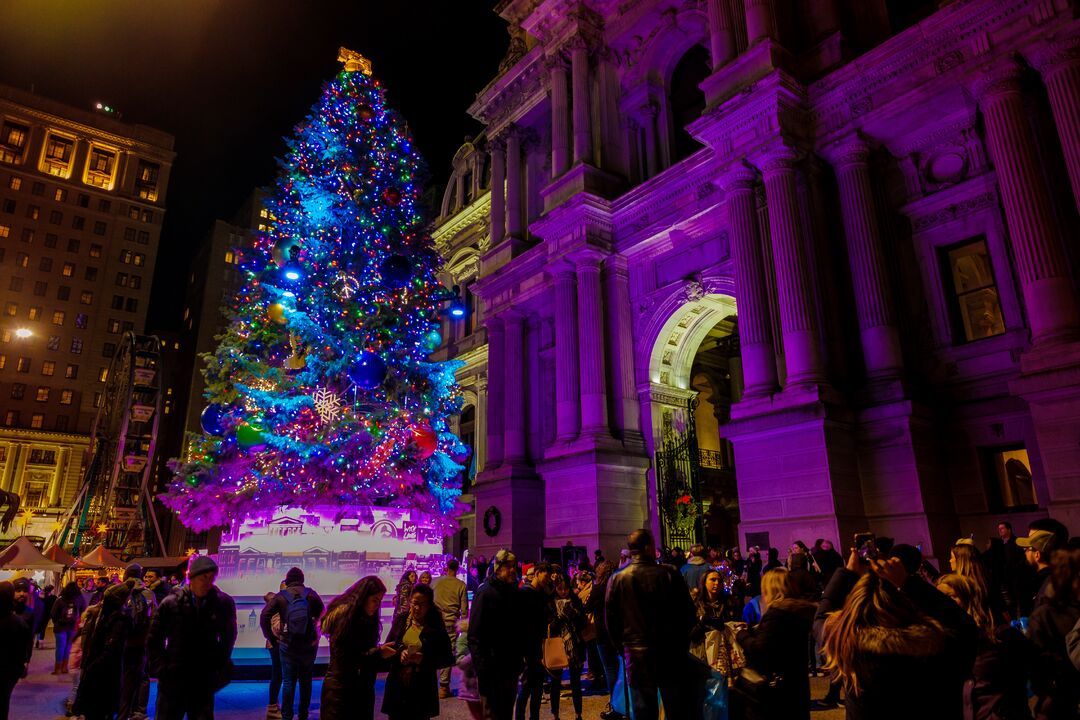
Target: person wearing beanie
(140, 607)
(298, 609)
(190, 643)
(17, 641)
(98, 695)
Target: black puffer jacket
(777, 646)
(190, 642)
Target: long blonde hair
(774, 586)
(872, 604)
(972, 599)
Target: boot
(56, 668)
(273, 712)
(64, 668)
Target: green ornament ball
(249, 436)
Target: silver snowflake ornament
(346, 285)
(327, 404)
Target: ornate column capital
(738, 177)
(556, 61)
(778, 158)
(587, 258)
(853, 151)
(1056, 54)
(997, 79)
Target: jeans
(648, 677)
(445, 673)
(295, 669)
(275, 675)
(63, 643)
(175, 706)
(575, 690)
(610, 660)
(532, 690)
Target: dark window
(51, 240)
(72, 372)
(63, 293)
(104, 205)
(90, 273)
(15, 284)
(78, 222)
(18, 391)
(687, 99)
(80, 321)
(108, 350)
(56, 217)
(73, 245)
(40, 287)
(99, 227)
(131, 305)
(53, 342)
(117, 302)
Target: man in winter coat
(649, 617)
(140, 607)
(494, 639)
(299, 609)
(24, 602)
(695, 567)
(17, 642)
(190, 642)
(534, 600)
(452, 601)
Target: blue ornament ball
(395, 271)
(368, 371)
(212, 419)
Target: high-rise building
(82, 199)
(755, 272)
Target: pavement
(41, 696)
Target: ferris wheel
(114, 505)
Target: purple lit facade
(860, 257)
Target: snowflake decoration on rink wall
(327, 404)
(340, 293)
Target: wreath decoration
(492, 521)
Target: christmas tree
(320, 392)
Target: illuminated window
(99, 168)
(53, 342)
(58, 317)
(76, 346)
(95, 250)
(121, 279)
(23, 365)
(33, 212)
(34, 313)
(57, 157)
(12, 309)
(60, 195)
(972, 291)
(66, 396)
(140, 259)
(263, 213)
(37, 421)
(15, 182)
(135, 282)
(103, 375)
(13, 142)
(97, 399)
(42, 394)
(22, 260)
(72, 372)
(125, 256)
(48, 368)
(87, 298)
(80, 321)
(5, 231)
(68, 269)
(148, 216)
(114, 326)
(229, 256)
(11, 418)
(3, 361)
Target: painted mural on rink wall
(333, 550)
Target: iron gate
(677, 481)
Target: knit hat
(134, 570)
(200, 565)
(295, 576)
(910, 556)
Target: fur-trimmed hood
(915, 641)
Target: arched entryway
(695, 375)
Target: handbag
(555, 657)
(758, 689)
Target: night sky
(230, 78)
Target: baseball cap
(1038, 539)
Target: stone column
(9, 465)
(1040, 257)
(459, 190)
(797, 321)
(721, 33)
(481, 448)
(514, 387)
(513, 184)
(560, 126)
(496, 369)
(649, 113)
(1059, 65)
(824, 18)
(579, 68)
(591, 343)
(20, 469)
(59, 476)
(622, 343)
(870, 279)
(568, 397)
(755, 333)
(759, 21)
(498, 190)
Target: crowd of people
(708, 634)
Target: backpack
(139, 609)
(296, 625)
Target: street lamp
(23, 333)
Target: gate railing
(677, 466)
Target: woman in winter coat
(403, 592)
(1054, 679)
(901, 648)
(98, 695)
(567, 620)
(776, 649)
(412, 684)
(65, 617)
(997, 689)
(711, 610)
(352, 625)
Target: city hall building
(752, 271)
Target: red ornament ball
(426, 440)
(392, 196)
(365, 113)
